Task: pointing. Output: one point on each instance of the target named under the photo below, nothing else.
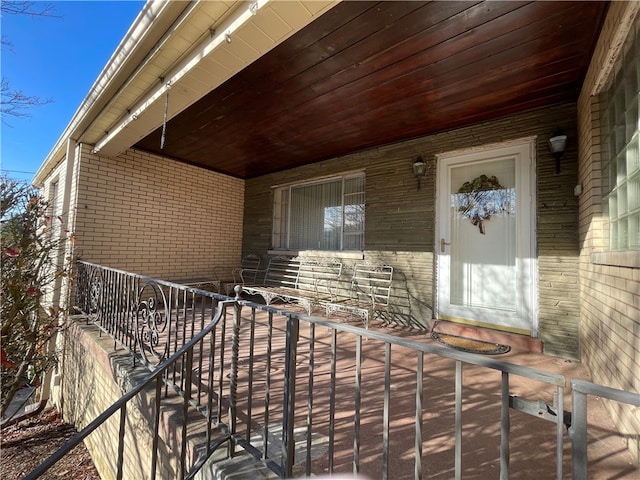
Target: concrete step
(243, 466)
(514, 340)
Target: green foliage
(29, 254)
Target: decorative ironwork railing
(302, 394)
(150, 317)
(175, 331)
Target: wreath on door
(479, 200)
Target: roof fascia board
(147, 114)
(155, 16)
(221, 35)
(142, 26)
(140, 66)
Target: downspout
(61, 297)
(58, 378)
(28, 414)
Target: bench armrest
(249, 275)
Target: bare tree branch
(13, 102)
(20, 7)
(34, 9)
(16, 104)
(7, 44)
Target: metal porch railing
(175, 332)
(304, 394)
(578, 431)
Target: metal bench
(250, 265)
(305, 281)
(369, 292)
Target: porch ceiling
(372, 73)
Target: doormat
(470, 345)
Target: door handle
(443, 244)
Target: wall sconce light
(557, 144)
(419, 169)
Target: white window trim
(350, 254)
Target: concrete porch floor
(533, 449)
(532, 440)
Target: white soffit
(180, 38)
(152, 26)
(225, 47)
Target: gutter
(218, 36)
(141, 27)
(186, 13)
(143, 112)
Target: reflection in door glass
(483, 232)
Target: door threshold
(514, 340)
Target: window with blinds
(322, 215)
(621, 163)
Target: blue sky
(57, 58)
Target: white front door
(485, 239)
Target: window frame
(281, 236)
(627, 255)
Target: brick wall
(158, 217)
(400, 223)
(95, 376)
(610, 292)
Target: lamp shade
(558, 143)
(419, 167)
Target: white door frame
(526, 179)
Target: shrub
(31, 255)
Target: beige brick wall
(158, 217)
(400, 223)
(96, 376)
(609, 294)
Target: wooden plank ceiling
(373, 73)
